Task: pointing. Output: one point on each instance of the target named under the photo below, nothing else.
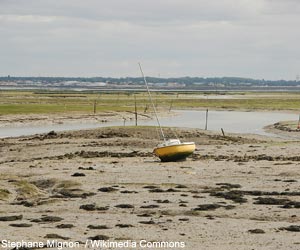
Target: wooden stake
(171, 105)
(135, 109)
(223, 132)
(206, 118)
(95, 106)
(146, 108)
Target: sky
(170, 38)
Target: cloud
(251, 38)
(135, 10)
(282, 7)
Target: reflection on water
(230, 121)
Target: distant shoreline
(138, 88)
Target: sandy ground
(235, 192)
(50, 119)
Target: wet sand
(15, 120)
(236, 192)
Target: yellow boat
(174, 150)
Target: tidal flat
(236, 191)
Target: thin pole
(171, 105)
(135, 109)
(95, 105)
(223, 132)
(206, 118)
(153, 106)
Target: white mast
(153, 106)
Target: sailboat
(169, 149)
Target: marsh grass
(28, 190)
(65, 184)
(26, 102)
(4, 194)
(251, 104)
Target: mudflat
(236, 191)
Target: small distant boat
(171, 149)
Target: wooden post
(95, 105)
(298, 127)
(135, 109)
(223, 132)
(146, 108)
(206, 118)
(171, 105)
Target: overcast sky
(206, 38)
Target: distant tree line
(226, 81)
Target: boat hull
(175, 152)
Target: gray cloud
(134, 10)
(250, 38)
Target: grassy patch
(255, 103)
(67, 184)
(27, 190)
(26, 102)
(4, 194)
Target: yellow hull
(175, 152)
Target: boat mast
(153, 106)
